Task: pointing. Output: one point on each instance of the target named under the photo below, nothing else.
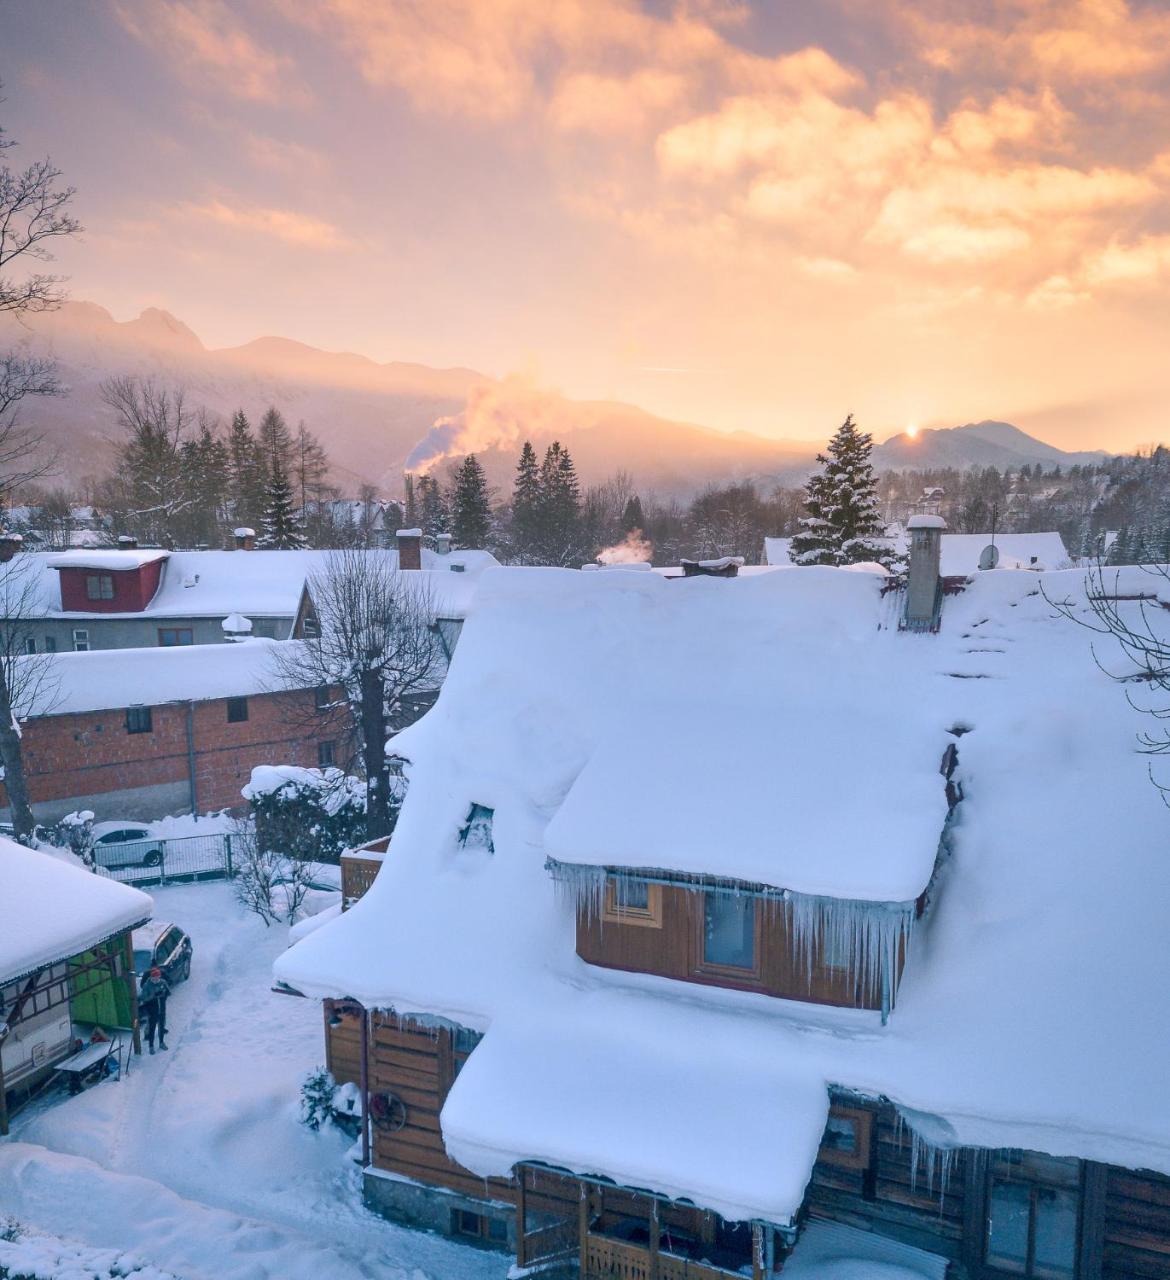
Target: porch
(607, 1232)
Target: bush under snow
(32, 1255)
(312, 814)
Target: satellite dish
(989, 556)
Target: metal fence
(165, 861)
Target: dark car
(165, 945)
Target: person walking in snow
(152, 1002)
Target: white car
(126, 844)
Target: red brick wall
(133, 589)
(91, 753)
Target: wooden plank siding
(674, 949)
(417, 1066)
(1137, 1226)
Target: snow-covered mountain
(978, 444)
(371, 417)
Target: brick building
(142, 733)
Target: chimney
(409, 548)
(236, 628)
(923, 580)
(10, 544)
(724, 567)
(127, 542)
(245, 539)
(443, 544)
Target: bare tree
(1136, 619)
(28, 680)
(376, 638)
(34, 210)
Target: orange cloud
(206, 42)
(280, 224)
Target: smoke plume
(634, 548)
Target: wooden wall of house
(417, 1066)
(1137, 1226)
(882, 1194)
(674, 949)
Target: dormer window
(99, 586)
(476, 833)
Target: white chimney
(443, 544)
(923, 580)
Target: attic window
(476, 832)
(99, 586)
(631, 901)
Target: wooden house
(65, 958)
(732, 925)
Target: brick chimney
(923, 580)
(127, 542)
(10, 544)
(245, 539)
(409, 548)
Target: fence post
(227, 851)
(162, 862)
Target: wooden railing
(610, 1259)
(357, 874)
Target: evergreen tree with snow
(526, 506)
(471, 517)
(247, 478)
(280, 528)
(433, 514)
(842, 524)
(559, 508)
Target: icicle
(932, 1149)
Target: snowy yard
(196, 1161)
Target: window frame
(50, 644)
(139, 719)
(979, 1223)
(234, 706)
(177, 632)
(81, 640)
(331, 763)
(99, 586)
(712, 968)
(861, 1156)
(647, 917)
(321, 698)
(30, 644)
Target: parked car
(164, 944)
(122, 844)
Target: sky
(757, 216)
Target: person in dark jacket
(152, 1005)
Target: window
(99, 586)
(847, 1138)
(138, 720)
(326, 755)
(80, 640)
(478, 1226)
(632, 901)
(310, 627)
(168, 636)
(463, 1042)
(1033, 1214)
(729, 931)
(50, 644)
(321, 697)
(30, 644)
(237, 710)
(476, 832)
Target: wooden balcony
(359, 868)
(610, 1259)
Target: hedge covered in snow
(310, 814)
(32, 1255)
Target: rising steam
(634, 548)
(499, 415)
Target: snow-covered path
(196, 1160)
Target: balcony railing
(610, 1259)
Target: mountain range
(376, 419)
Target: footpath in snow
(196, 1162)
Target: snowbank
(50, 910)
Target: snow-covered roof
(104, 679)
(1032, 1011)
(960, 552)
(108, 561)
(257, 584)
(50, 910)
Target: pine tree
(842, 525)
(632, 517)
(472, 514)
(310, 467)
(433, 515)
(559, 508)
(526, 506)
(276, 443)
(410, 505)
(248, 478)
(204, 462)
(280, 529)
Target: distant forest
(184, 480)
